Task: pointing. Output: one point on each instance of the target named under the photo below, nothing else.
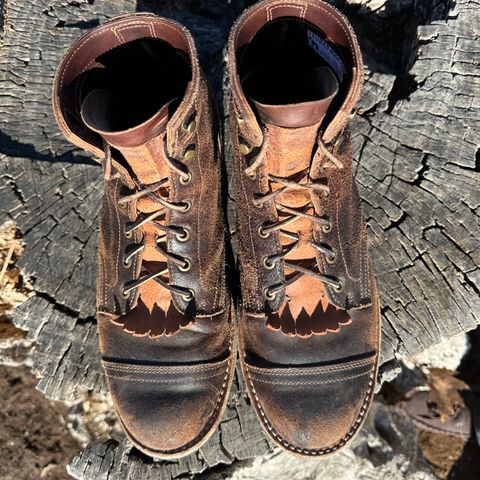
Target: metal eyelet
(188, 295)
(188, 205)
(244, 148)
(189, 127)
(339, 287)
(125, 294)
(263, 234)
(186, 267)
(327, 228)
(326, 193)
(185, 180)
(252, 175)
(257, 204)
(189, 154)
(269, 295)
(184, 236)
(127, 262)
(268, 264)
(128, 233)
(331, 259)
(323, 168)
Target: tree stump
(417, 146)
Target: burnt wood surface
(417, 142)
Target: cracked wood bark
(416, 138)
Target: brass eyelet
(323, 168)
(257, 204)
(125, 294)
(252, 175)
(189, 154)
(127, 262)
(244, 148)
(188, 205)
(339, 287)
(186, 267)
(268, 264)
(327, 228)
(331, 258)
(185, 180)
(122, 206)
(189, 127)
(326, 193)
(269, 295)
(187, 296)
(184, 236)
(263, 234)
(128, 233)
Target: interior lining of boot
(276, 65)
(140, 77)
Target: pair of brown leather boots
(132, 91)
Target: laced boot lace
(182, 233)
(290, 215)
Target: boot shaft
(135, 87)
(295, 73)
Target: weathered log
(416, 137)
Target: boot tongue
(293, 130)
(141, 144)
(321, 86)
(293, 127)
(295, 115)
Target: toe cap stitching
(320, 369)
(312, 382)
(164, 368)
(322, 451)
(213, 417)
(163, 380)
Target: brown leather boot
(132, 91)
(309, 326)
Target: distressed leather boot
(132, 91)
(309, 323)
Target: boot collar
(320, 14)
(82, 55)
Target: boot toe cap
(168, 411)
(312, 411)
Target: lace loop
(331, 157)
(260, 158)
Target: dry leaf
(444, 397)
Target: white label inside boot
(324, 50)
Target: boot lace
(182, 233)
(290, 215)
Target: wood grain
(416, 138)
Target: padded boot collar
(322, 15)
